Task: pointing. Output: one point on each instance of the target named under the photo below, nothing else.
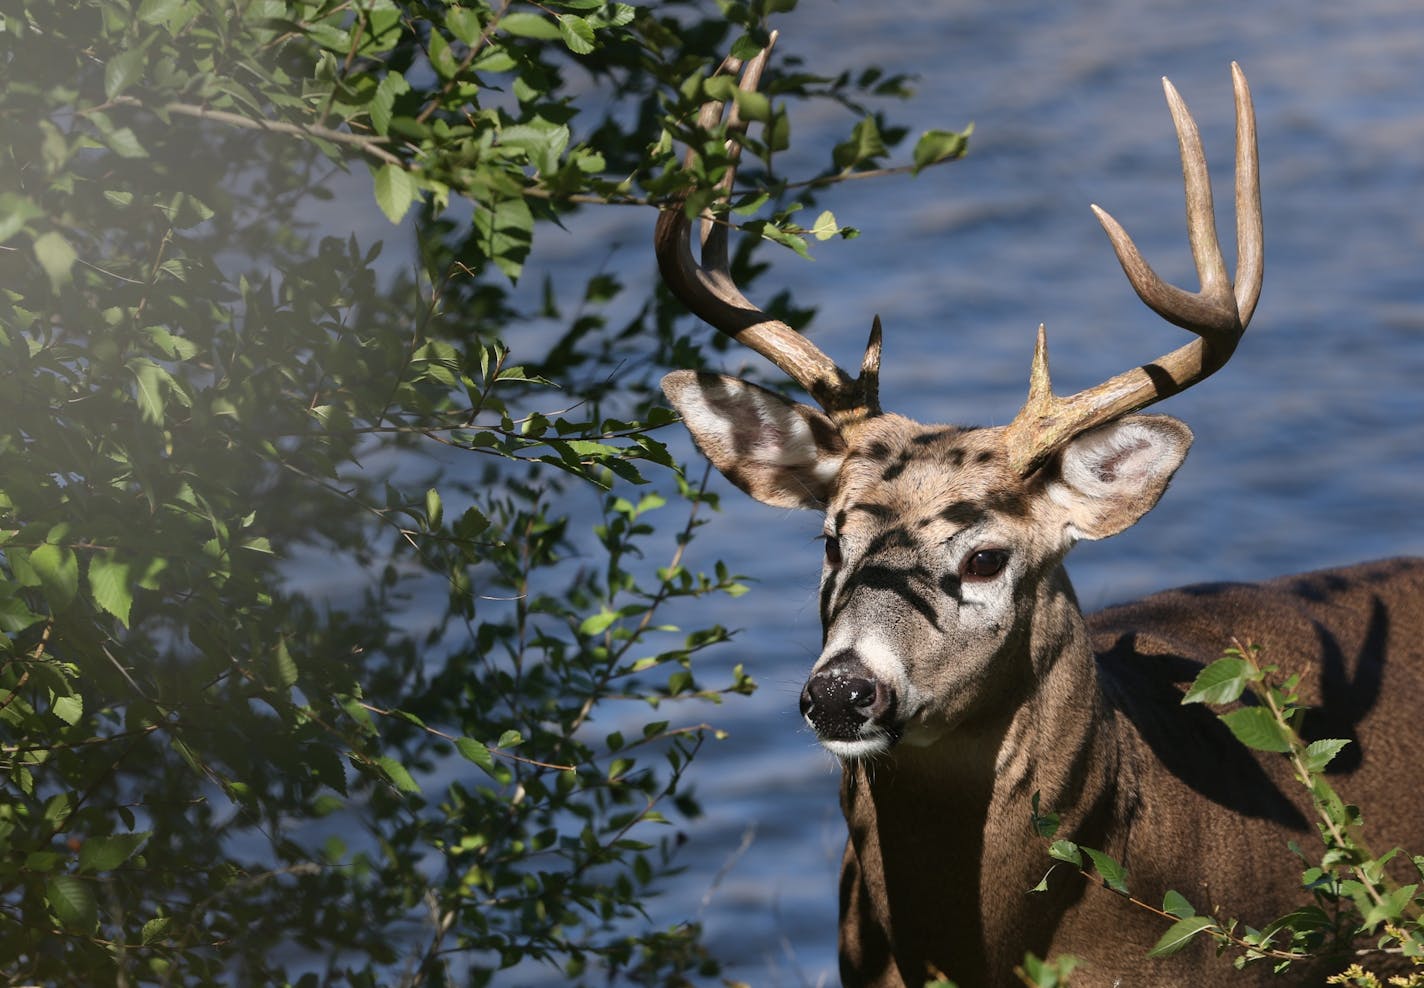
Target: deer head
(943, 544)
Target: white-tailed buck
(958, 676)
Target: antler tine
(708, 290)
(1218, 314)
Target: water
(1308, 445)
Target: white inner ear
(1124, 453)
(757, 425)
(1110, 477)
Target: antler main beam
(1218, 314)
(708, 290)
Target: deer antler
(707, 289)
(1218, 314)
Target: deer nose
(842, 697)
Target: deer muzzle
(850, 709)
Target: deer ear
(1111, 476)
(781, 453)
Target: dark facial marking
(962, 513)
(949, 585)
(927, 438)
(899, 581)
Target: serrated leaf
(108, 852)
(155, 929)
(58, 570)
(68, 708)
(56, 256)
(1256, 728)
(284, 667)
(577, 34)
(475, 751)
(123, 70)
(72, 902)
(392, 84)
(109, 586)
(1319, 754)
(1179, 934)
(395, 191)
(149, 381)
(1176, 904)
(1066, 850)
(1113, 874)
(1221, 682)
(398, 774)
(510, 739)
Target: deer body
(958, 677)
(938, 861)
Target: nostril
(860, 692)
(808, 699)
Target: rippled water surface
(1309, 447)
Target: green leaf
(1221, 682)
(525, 25)
(72, 902)
(1114, 875)
(935, 146)
(149, 380)
(1319, 754)
(1256, 728)
(392, 84)
(442, 57)
(56, 256)
(1176, 904)
(110, 587)
(577, 34)
(864, 146)
(58, 570)
(107, 853)
(158, 11)
(1066, 850)
(155, 929)
(597, 624)
(68, 708)
(397, 773)
(826, 226)
(475, 751)
(395, 191)
(510, 739)
(284, 667)
(123, 70)
(1179, 934)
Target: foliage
(1354, 897)
(332, 649)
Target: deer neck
(946, 828)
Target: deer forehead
(937, 479)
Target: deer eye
(833, 552)
(983, 564)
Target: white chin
(860, 748)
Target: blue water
(1309, 445)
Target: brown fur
(1003, 690)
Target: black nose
(842, 697)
